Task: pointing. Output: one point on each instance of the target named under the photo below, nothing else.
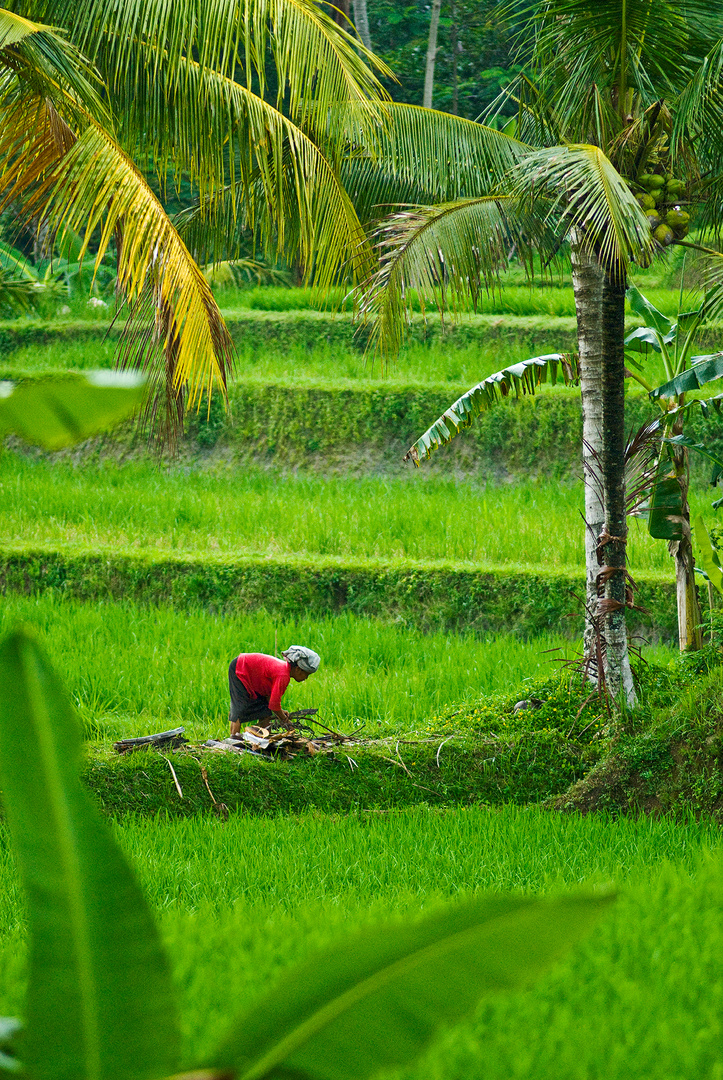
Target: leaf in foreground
(100, 1002)
(377, 999)
(55, 412)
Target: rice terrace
(361, 621)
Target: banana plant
(667, 511)
(64, 273)
(100, 1000)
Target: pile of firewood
(277, 740)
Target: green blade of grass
(100, 1002)
(378, 999)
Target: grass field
(242, 902)
(144, 508)
(133, 670)
(426, 364)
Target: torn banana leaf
(703, 369)
(522, 378)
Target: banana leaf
(522, 378)
(644, 336)
(100, 1001)
(376, 1000)
(708, 555)
(664, 512)
(648, 312)
(56, 412)
(703, 369)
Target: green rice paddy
(240, 903)
(133, 670)
(231, 512)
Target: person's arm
(278, 690)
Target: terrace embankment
(526, 601)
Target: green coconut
(664, 235)
(677, 218)
(645, 179)
(653, 217)
(646, 201)
(656, 182)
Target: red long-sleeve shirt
(264, 676)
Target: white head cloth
(304, 658)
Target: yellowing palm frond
(281, 185)
(34, 57)
(318, 64)
(94, 185)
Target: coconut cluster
(660, 200)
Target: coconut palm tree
(620, 89)
(249, 103)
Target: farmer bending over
(257, 683)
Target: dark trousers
(244, 708)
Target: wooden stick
(173, 774)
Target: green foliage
(99, 1002)
(54, 413)
(94, 944)
(233, 933)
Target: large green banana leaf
(522, 378)
(101, 1004)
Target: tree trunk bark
(341, 16)
(431, 55)
(587, 282)
(617, 663)
(690, 632)
(361, 21)
(455, 54)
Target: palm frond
(94, 185)
(318, 65)
(33, 57)
(282, 187)
(448, 252)
(522, 378)
(425, 156)
(587, 194)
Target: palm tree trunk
(587, 282)
(690, 632)
(617, 663)
(431, 55)
(361, 21)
